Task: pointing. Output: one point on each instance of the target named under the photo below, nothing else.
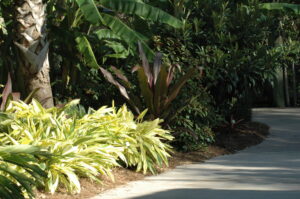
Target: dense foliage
(236, 44)
(102, 51)
(82, 144)
(19, 170)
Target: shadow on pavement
(222, 194)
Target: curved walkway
(270, 170)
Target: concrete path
(270, 170)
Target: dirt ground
(227, 142)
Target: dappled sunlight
(227, 176)
(221, 193)
(270, 170)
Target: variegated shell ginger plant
(86, 145)
(156, 86)
(32, 44)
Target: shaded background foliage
(247, 52)
(234, 41)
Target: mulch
(227, 142)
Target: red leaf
(6, 91)
(146, 65)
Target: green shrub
(193, 125)
(143, 142)
(235, 43)
(75, 152)
(19, 171)
(85, 145)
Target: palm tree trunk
(33, 49)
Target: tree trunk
(286, 86)
(33, 49)
(278, 89)
(294, 85)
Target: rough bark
(33, 49)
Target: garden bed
(246, 135)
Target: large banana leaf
(120, 51)
(106, 34)
(114, 42)
(86, 50)
(142, 10)
(281, 6)
(90, 11)
(127, 34)
(120, 29)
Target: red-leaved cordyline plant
(8, 95)
(155, 84)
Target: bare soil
(227, 142)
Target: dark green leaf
(143, 10)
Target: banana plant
(107, 25)
(282, 6)
(154, 82)
(104, 12)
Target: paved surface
(270, 170)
